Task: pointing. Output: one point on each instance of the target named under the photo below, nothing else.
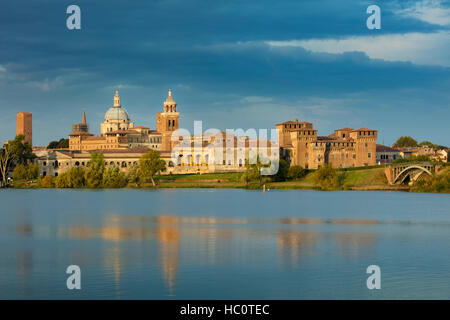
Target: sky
(232, 64)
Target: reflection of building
(295, 246)
(168, 236)
(24, 126)
(346, 147)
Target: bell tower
(167, 121)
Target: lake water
(223, 244)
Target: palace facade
(344, 148)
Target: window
(369, 155)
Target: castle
(300, 145)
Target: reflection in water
(355, 243)
(201, 235)
(24, 269)
(293, 246)
(112, 260)
(168, 236)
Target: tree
(150, 164)
(62, 143)
(95, 169)
(133, 174)
(26, 172)
(405, 141)
(253, 172)
(113, 178)
(5, 161)
(72, 178)
(47, 182)
(327, 177)
(282, 173)
(296, 172)
(21, 152)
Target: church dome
(117, 113)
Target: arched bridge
(399, 173)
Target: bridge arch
(408, 170)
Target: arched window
(124, 164)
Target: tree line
(97, 175)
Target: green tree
(72, 178)
(405, 141)
(150, 164)
(282, 173)
(26, 172)
(5, 162)
(133, 174)
(419, 158)
(47, 182)
(296, 172)
(253, 172)
(21, 152)
(95, 169)
(113, 178)
(327, 177)
(62, 143)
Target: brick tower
(24, 126)
(167, 121)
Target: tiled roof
(363, 129)
(80, 133)
(382, 148)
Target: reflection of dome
(117, 113)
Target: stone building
(386, 154)
(24, 125)
(344, 148)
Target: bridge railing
(409, 164)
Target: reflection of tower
(168, 236)
(293, 246)
(167, 121)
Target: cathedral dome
(117, 113)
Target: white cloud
(418, 48)
(430, 11)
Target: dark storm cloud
(212, 52)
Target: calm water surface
(223, 244)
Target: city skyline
(231, 66)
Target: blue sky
(233, 64)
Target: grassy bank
(353, 179)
